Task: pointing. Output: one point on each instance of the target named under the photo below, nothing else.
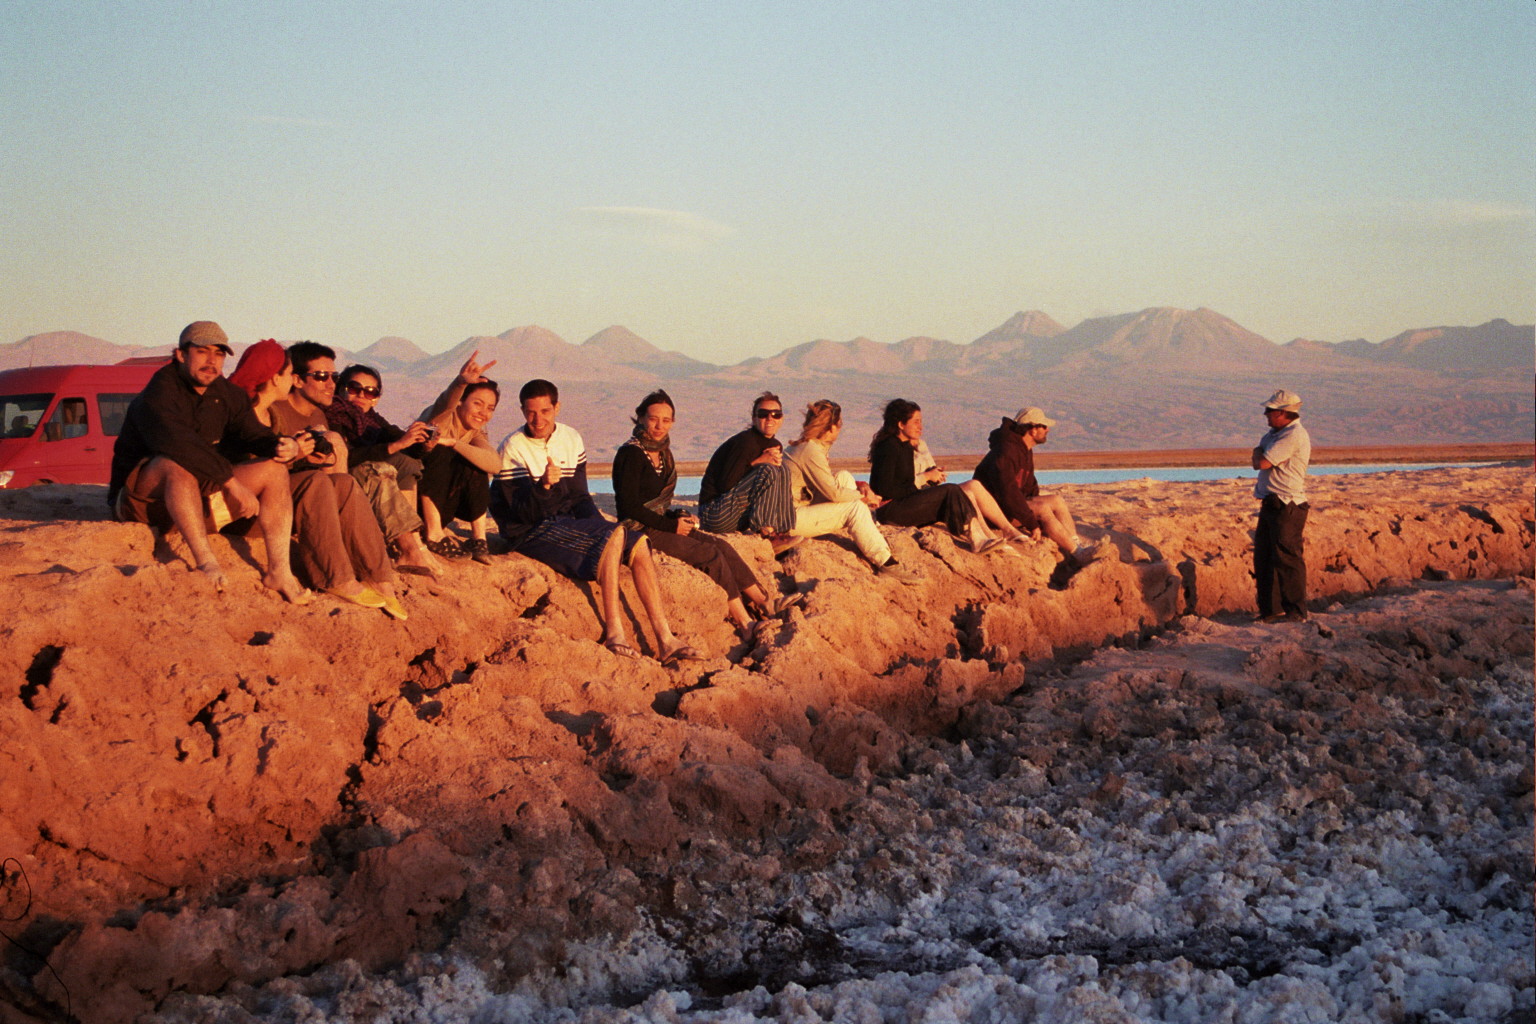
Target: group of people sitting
(292, 445)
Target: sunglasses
(320, 375)
(770, 414)
(354, 388)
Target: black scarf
(662, 503)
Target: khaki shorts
(135, 506)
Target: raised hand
(473, 372)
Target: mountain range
(1157, 378)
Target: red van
(58, 423)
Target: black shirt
(202, 433)
(732, 461)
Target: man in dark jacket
(191, 449)
(1008, 474)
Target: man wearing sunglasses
(314, 389)
(315, 379)
(746, 486)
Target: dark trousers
(459, 489)
(711, 555)
(942, 503)
(1279, 557)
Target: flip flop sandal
(621, 649)
(680, 654)
(393, 608)
(364, 598)
(782, 604)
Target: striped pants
(760, 503)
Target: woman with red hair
(340, 549)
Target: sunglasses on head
(771, 414)
(354, 388)
(320, 375)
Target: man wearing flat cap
(1279, 556)
(190, 436)
(1008, 473)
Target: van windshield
(20, 414)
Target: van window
(67, 421)
(20, 414)
(113, 410)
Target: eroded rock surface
(315, 806)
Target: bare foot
(415, 558)
(285, 584)
(420, 562)
(215, 574)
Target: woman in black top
(904, 475)
(746, 484)
(644, 478)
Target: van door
(71, 450)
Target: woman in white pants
(828, 502)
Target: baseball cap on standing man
(1284, 401)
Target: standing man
(190, 435)
(1279, 555)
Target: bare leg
(269, 482)
(413, 552)
(477, 527)
(977, 532)
(431, 519)
(644, 570)
(1056, 521)
(183, 499)
(756, 595)
(990, 510)
(738, 613)
(608, 584)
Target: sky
(730, 178)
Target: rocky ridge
(212, 794)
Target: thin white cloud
(1458, 213)
(667, 230)
(292, 122)
(1492, 230)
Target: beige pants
(852, 519)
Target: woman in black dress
(644, 478)
(912, 487)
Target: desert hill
(70, 347)
(1157, 378)
(390, 355)
(622, 346)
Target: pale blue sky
(730, 179)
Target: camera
(323, 444)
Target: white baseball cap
(1285, 401)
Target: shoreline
(1188, 458)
